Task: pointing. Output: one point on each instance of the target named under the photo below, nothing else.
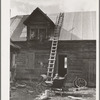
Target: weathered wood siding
(81, 56)
(81, 59)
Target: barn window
(42, 34)
(33, 33)
(38, 33)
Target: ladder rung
(54, 48)
(54, 43)
(50, 74)
(53, 52)
(52, 55)
(52, 59)
(50, 67)
(55, 40)
(51, 63)
(55, 37)
(50, 71)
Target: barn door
(92, 73)
(62, 65)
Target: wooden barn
(77, 43)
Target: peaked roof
(76, 26)
(35, 11)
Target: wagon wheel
(80, 82)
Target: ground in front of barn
(25, 90)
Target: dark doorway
(62, 65)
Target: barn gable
(38, 16)
(39, 26)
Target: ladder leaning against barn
(54, 45)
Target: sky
(23, 7)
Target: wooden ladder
(54, 45)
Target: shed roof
(14, 46)
(76, 26)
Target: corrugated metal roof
(76, 26)
(17, 28)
